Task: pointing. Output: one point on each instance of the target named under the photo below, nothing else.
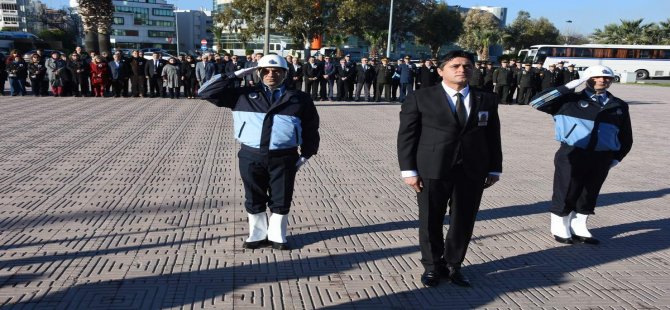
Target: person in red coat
(99, 76)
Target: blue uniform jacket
(584, 123)
(292, 121)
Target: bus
(647, 61)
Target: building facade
(144, 24)
(192, 27)
(13, 15)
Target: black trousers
(510, 94)
(268, 179)
(525, 93)
(312, 86)
(502, 92)
(578, 177)
(37, 85)
(117, 87)
(189, 87)
(80, 84)
(383, 87)
(138, 85)
(343, 89)
(463, 196)
(156, 86)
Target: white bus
(647, 61)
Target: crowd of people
(322, 76)
(514, 82)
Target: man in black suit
(312, 72)
(153, 71)
(449, 150)
(365, 77)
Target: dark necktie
(461, 113)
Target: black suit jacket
(152, 71)
(429, 137)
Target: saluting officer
(551, 78)
(595, 133)
(477, 78)
(278, 130)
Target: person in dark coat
(449, 151)
(232, 66)
(138, 81)
(384, 73)
(80, 75)
(38, 74)
(502, 80)
(551, 78)
(188, 77)
(526, 81)
(312, 72)
(153, 72)
(365, 77)
(570, 74)
(488, 77)
(428, 75)
(297, 75)
(118, 73)
(344, 75)
(327, 81)
(17, 71)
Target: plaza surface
(137, 204)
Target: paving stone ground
(137, 204)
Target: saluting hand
(415, 183)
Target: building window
(119, 21)
(162, 12)
(124, 32)
(9, 6)
(161, 34)
(140, 15)
(161, 23)
(10, 19)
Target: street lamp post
(176, 29)
(266, 46)
(388, 42)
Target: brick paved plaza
(137, 204)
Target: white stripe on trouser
(578, 225)
(560, 225)
(258, 227)
(277, 228)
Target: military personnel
(551, 78)
(488, 76)
(384, 76)
(428, 75)
(526, 81)
(502, 80)
(571, 74)
(513, 86)
(477, 78)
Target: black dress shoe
(563, 240)
(587, 240)
(430, 278)
(456, 277)
(255, 244)
(280, 246)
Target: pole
(388, 43)
(176, 25)
(266, 46)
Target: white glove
(246, 71)
(614, 163)
(575, 83)
(301, 162)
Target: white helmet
(272, 61)
(594, 71)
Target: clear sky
(586, 15)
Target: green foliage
(633, 32)
(480, 30)
(526, 31)
(438, 27)
(68, 39)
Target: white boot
(258, 227)
(560, 228)
(277, 231)
(578, 225)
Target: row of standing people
(513, 82)
(367, 80)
